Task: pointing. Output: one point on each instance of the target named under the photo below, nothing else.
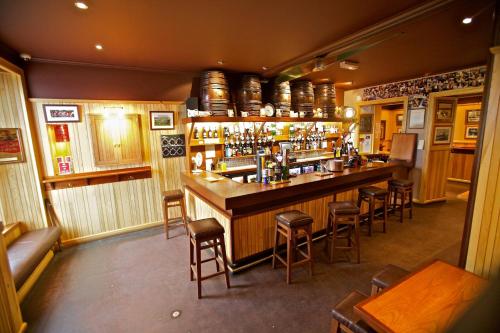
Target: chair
(174, 198)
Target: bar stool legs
(292, 225)
(404, 188)
(346, 213)
(210, 232)
(172, 199)
(371, 194)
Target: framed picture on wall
(417, 118)
(399, 120)
(365, 123)
(11, 146)
(472, 116)
(471, 132)
(161, 120)
(61, 113)
(442, 135)
(444, 113)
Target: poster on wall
(161, 120)
(366, 144)
(365, 123)
(173, 145)
(442, 135)
(444, 113)
(417, 118)
(472, 116)
(61, 113)
(471, 132)
(11, 146)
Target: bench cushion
(28, 250)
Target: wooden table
(429, 300)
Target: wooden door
(103, 141)
(129, 141)
(439, 155)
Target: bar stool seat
(205, 228)
(173, 195)
(207, 231)
(373, 190)
(293, 218)
(370, 194)
(344, 318)
(342, 213)
(388, 276)
(292, 224)
(173, 198)
(343, 208)
(400, 182)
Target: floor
(134, 283)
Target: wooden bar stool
(347, 213)
(388, 276)
(371, 194)
(404, 188)
(209, 231)
(293, 224)
(171, 199)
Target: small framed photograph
(11, 146)
(161, 120)
(471, 132)
(444, 113)
(417, 118)
(365, 123)
(442, 135)
(472, 116)
(399, 120)
(61, 113)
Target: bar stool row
(208, 233)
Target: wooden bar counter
(247, 210)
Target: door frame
(394, 100)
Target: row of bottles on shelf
(208, 132)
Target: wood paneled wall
(93, 211)
(437, 166)
(20, 194)
(483, 256)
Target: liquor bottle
(216, 133)
(196, 134)
(204, 133)
(210, 133)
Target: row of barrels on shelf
(299, 96)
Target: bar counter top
(240, 198)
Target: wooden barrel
(303, 97)
(324, 98)
(282, 97)
(214, 92)
(250, 95)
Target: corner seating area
(30, 252)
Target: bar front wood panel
(20, 196)
(437, 174)
(460, 167)
(93, 211)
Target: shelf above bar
(95, 178)
(258, 120)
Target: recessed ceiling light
(220, 62)
(81, 5)
(99, 47)
(467, 20)
(264, 68)
(350, 65)
(347, 83)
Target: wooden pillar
(11, 320)
(483, 255)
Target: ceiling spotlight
(467, 20)
(25, 56)
(99, 47)
(347, 83)
(264, 68)
(350, 65)
(220, 62)
(81, 5)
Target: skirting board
(85, 239)
(428, 201)
(459, 180)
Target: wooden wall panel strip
(20, 195)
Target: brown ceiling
(192, 35)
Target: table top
(429, 300)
